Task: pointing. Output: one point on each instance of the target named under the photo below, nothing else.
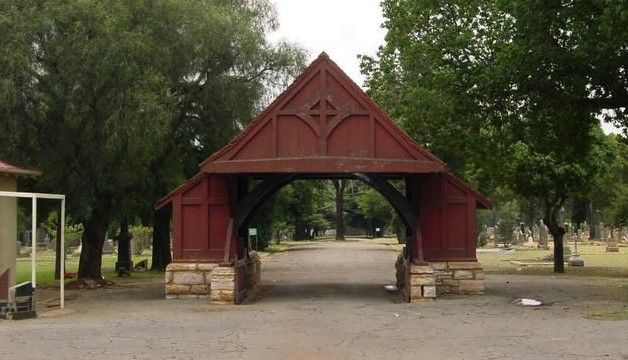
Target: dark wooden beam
(253, 199)
(399, 202)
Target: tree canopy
(116, 100)
(508, 92)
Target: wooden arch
(322, 126)
(252, 200)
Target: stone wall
(222, 285)
(218, 283)
(188, 280)
(420, 282)
(458, 277)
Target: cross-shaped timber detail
(322, 114)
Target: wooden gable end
(326, 118)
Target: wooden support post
(227, 256)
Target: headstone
(575, 260)
(516, 235)
(77, 251)
(611, 243)
(566, 248)
(536, 232)
(529, 239)
(42, 236)
(108, 247)
(543, 236)
(26, 238)
(141, 266)
(568, 237)
(585, 230)
(492, 238)
(483, 236)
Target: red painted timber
(322, 124)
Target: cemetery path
(325, 300)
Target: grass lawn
(46, 267)
(596, 260)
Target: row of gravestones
(25, 250)
(538, 235)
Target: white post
(62, 259)
(34, 242)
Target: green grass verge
(596, 260)
(45, 268)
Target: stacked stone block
(417, 282)
(200, 280)
(459, 277)
(422, 282)
(222, 286)
(254, 271)
(188, 280)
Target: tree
(339, 187)
(375, 207)
(117, 101)
(509, 89)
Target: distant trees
(375, 208)
(507, 92)
(117, 101)
(307, 208)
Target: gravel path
(325, 300)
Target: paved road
(325, 301)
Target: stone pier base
(208, 280)
(420, 282)
(222, 285)
(188, 280)
(453, 277)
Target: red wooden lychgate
(322, 126)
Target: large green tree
(117, 101)
(508, 92)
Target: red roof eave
(184, 186)
(15, 170)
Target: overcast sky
(342, 28)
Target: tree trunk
(339, 186)
(124, 265)
(557, 230)
(591, 220)
(92, 242)
(161, 239)
(299, 230)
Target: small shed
(9, 174)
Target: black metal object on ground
(20, 303)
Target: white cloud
(342, 28)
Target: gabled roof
(323, 123)
(15, 170)
(482, 201)
(165, 200)
(323, 116)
